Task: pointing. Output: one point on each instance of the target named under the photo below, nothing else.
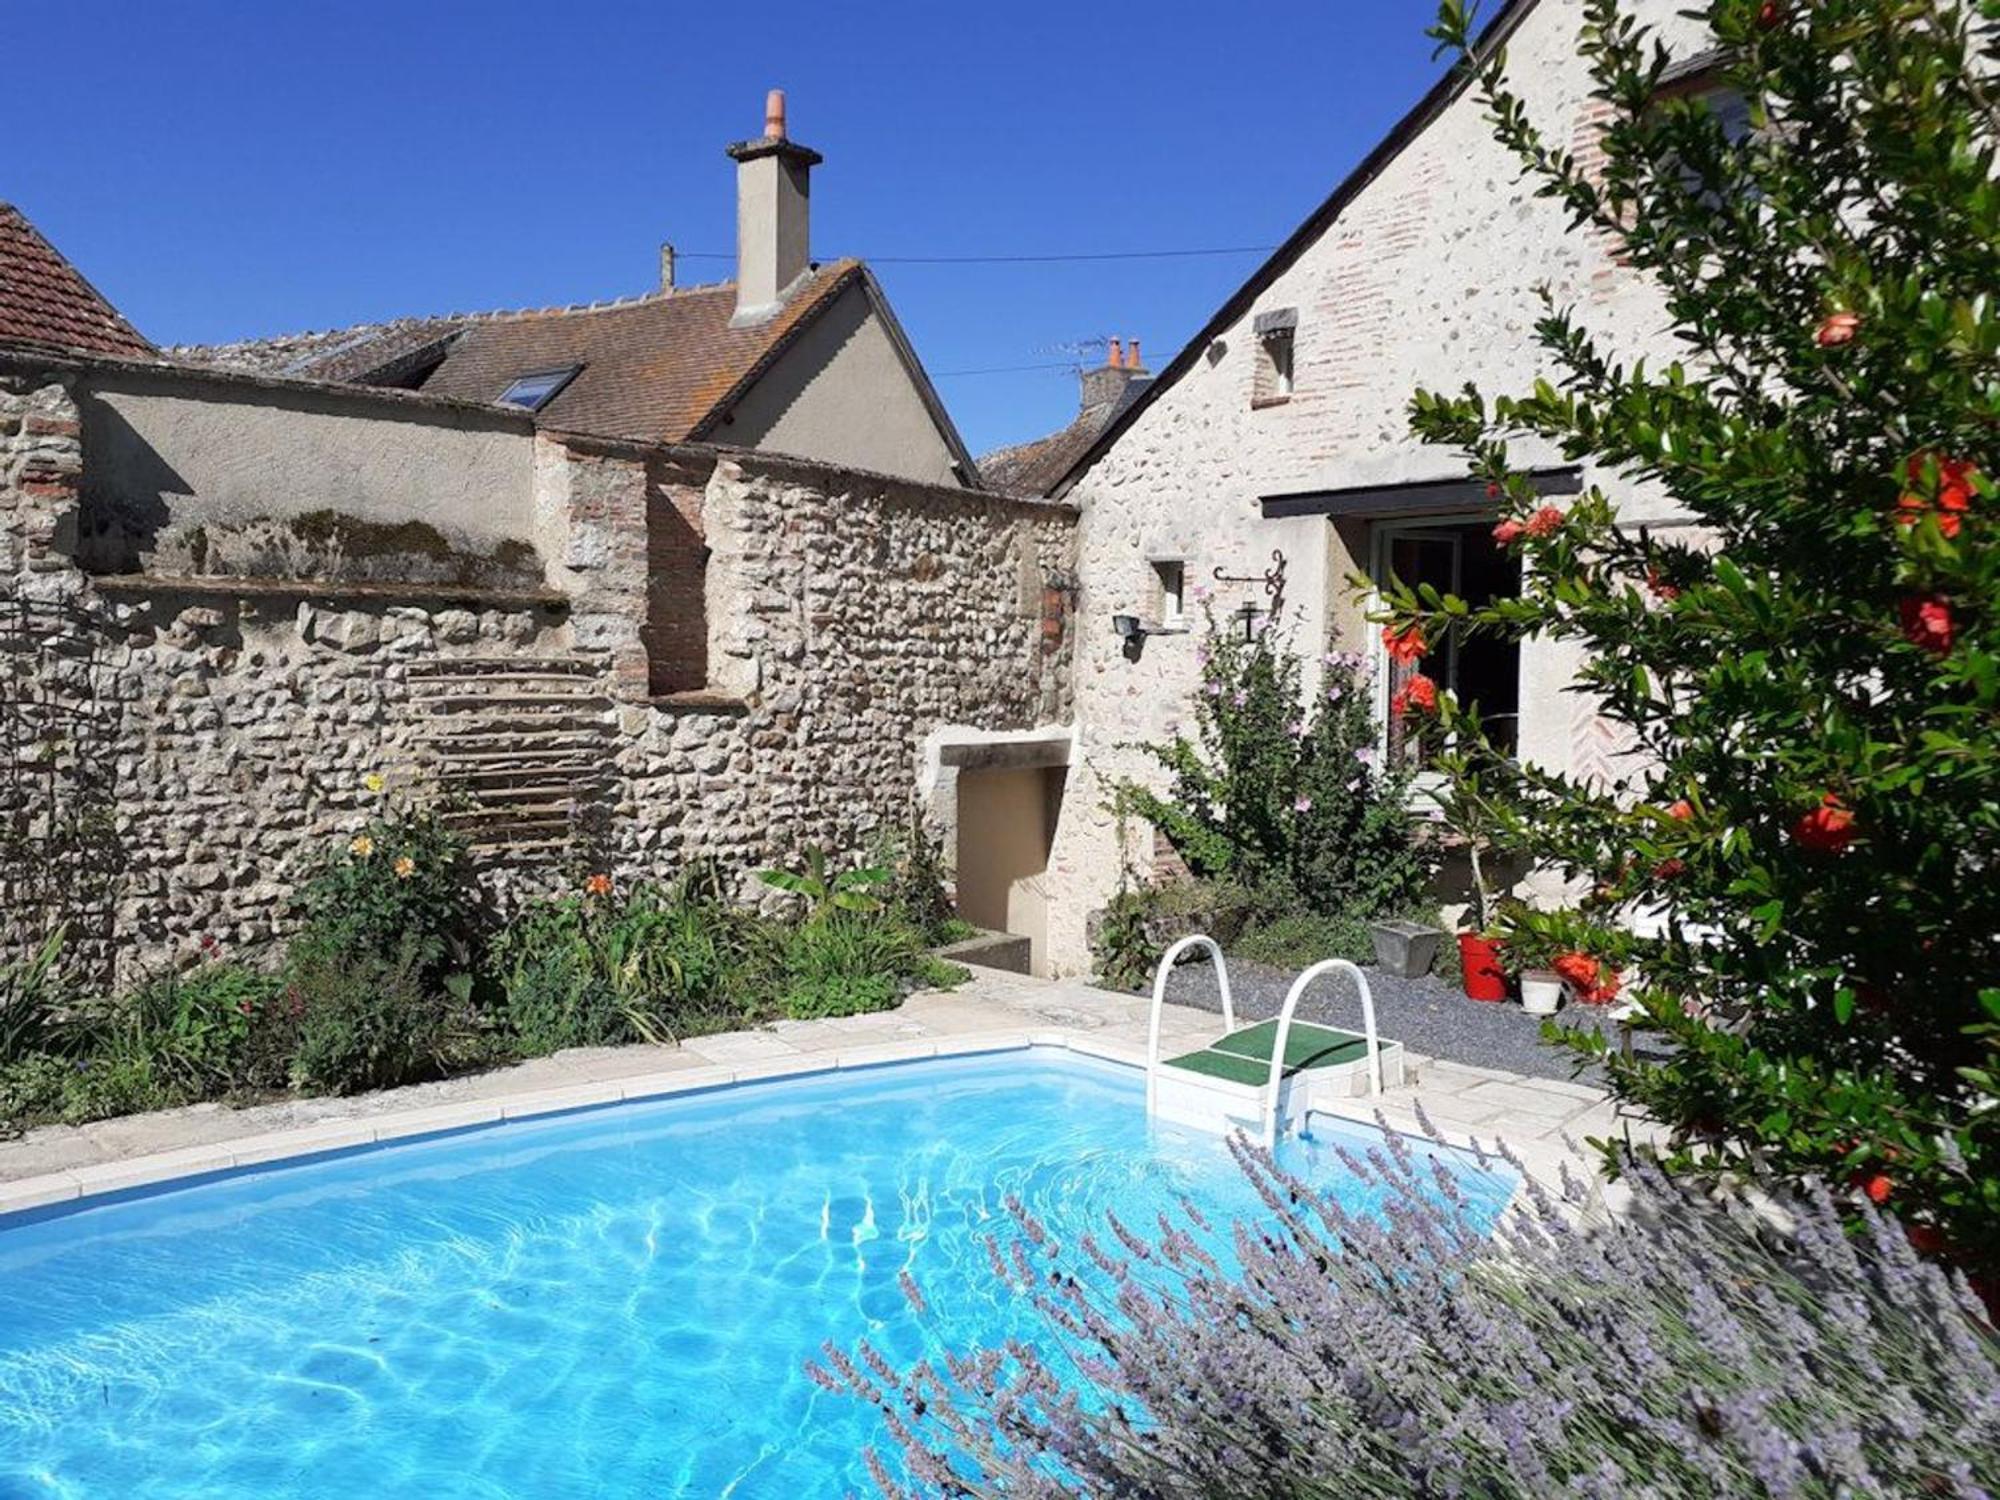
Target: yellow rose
(361, 845)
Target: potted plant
(1405, 949)
(1481, 972)
(1531, 953)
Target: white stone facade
(1426, 278)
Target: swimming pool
(611, 1303)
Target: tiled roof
(657, 367)
(45, 301)
(1035, 468)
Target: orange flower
(598, 885)
(1927, 622)
(1405, 645)
(1837, 328)
(1828, 828)
(404, 867)
(1545, 522)
(1681, 811)
(1508, 532)
(1419, 693)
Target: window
(1169, 583)
(1274, 356)
(537, 390)
(1462, 558)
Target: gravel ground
(1425, 1015)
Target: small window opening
(537, 390)
(1169, 580)
(1274, 356)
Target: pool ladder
(1275, 1083)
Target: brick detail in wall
(676, 629)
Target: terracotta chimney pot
(774, 115)
(1132, 359)
(1116, 356)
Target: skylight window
(537, 390)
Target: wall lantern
(1127, 626)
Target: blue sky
(234, 169)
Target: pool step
(1221, 1087)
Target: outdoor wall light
(1128, 627)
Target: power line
(1062, 364)
(1017, 260)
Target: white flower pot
(1541, 992)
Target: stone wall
(1427, 277)
(840, 622)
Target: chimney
(1115, 382)
(666, 267)
(773, 198)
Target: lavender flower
(1684, 1347)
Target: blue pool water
(613, 1303)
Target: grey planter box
(1404, 949)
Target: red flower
(1545, 522)
(1925, 1239)
(1660, 588)
(1592, 983)
(598, 885)
(1670, 869)
(1837, 328)
(1404, 646)
(1876, 1186)
(1580, 969)
(1681, 811)
(1954, 492)
(1827, 829)
(1927, 622)
(1492, 491)
(1419, 693)
(1508, 532)
(1771, 15)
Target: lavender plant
(1685, 1347)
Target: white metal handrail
(1284, 1033)
(1198, 939)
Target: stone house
(790, 357)
(231, 598)
(1277, 441)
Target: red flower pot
(1479, 962)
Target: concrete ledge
(1005, 951)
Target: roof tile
(45, 301)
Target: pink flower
(1508, 532)
(1303, 804)
(1837, 328)
(1545, 522)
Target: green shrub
(32, 1087)
(33, 993)
(1294, 940)
(404, 878)
(915, 892)
(1283, 795)
(933, 973)
(1142, 922)
(826, 890)
(839, 995)
(190, 1029)
(598, 967)
(365, 1021)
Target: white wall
(1427, 279)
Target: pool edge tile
(437, 1119)
(874, 1054)
(24, 1193)
(560, 1101)
(682, 1081)
(307, 1140)
(147, 1171)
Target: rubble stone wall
(840, 621)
